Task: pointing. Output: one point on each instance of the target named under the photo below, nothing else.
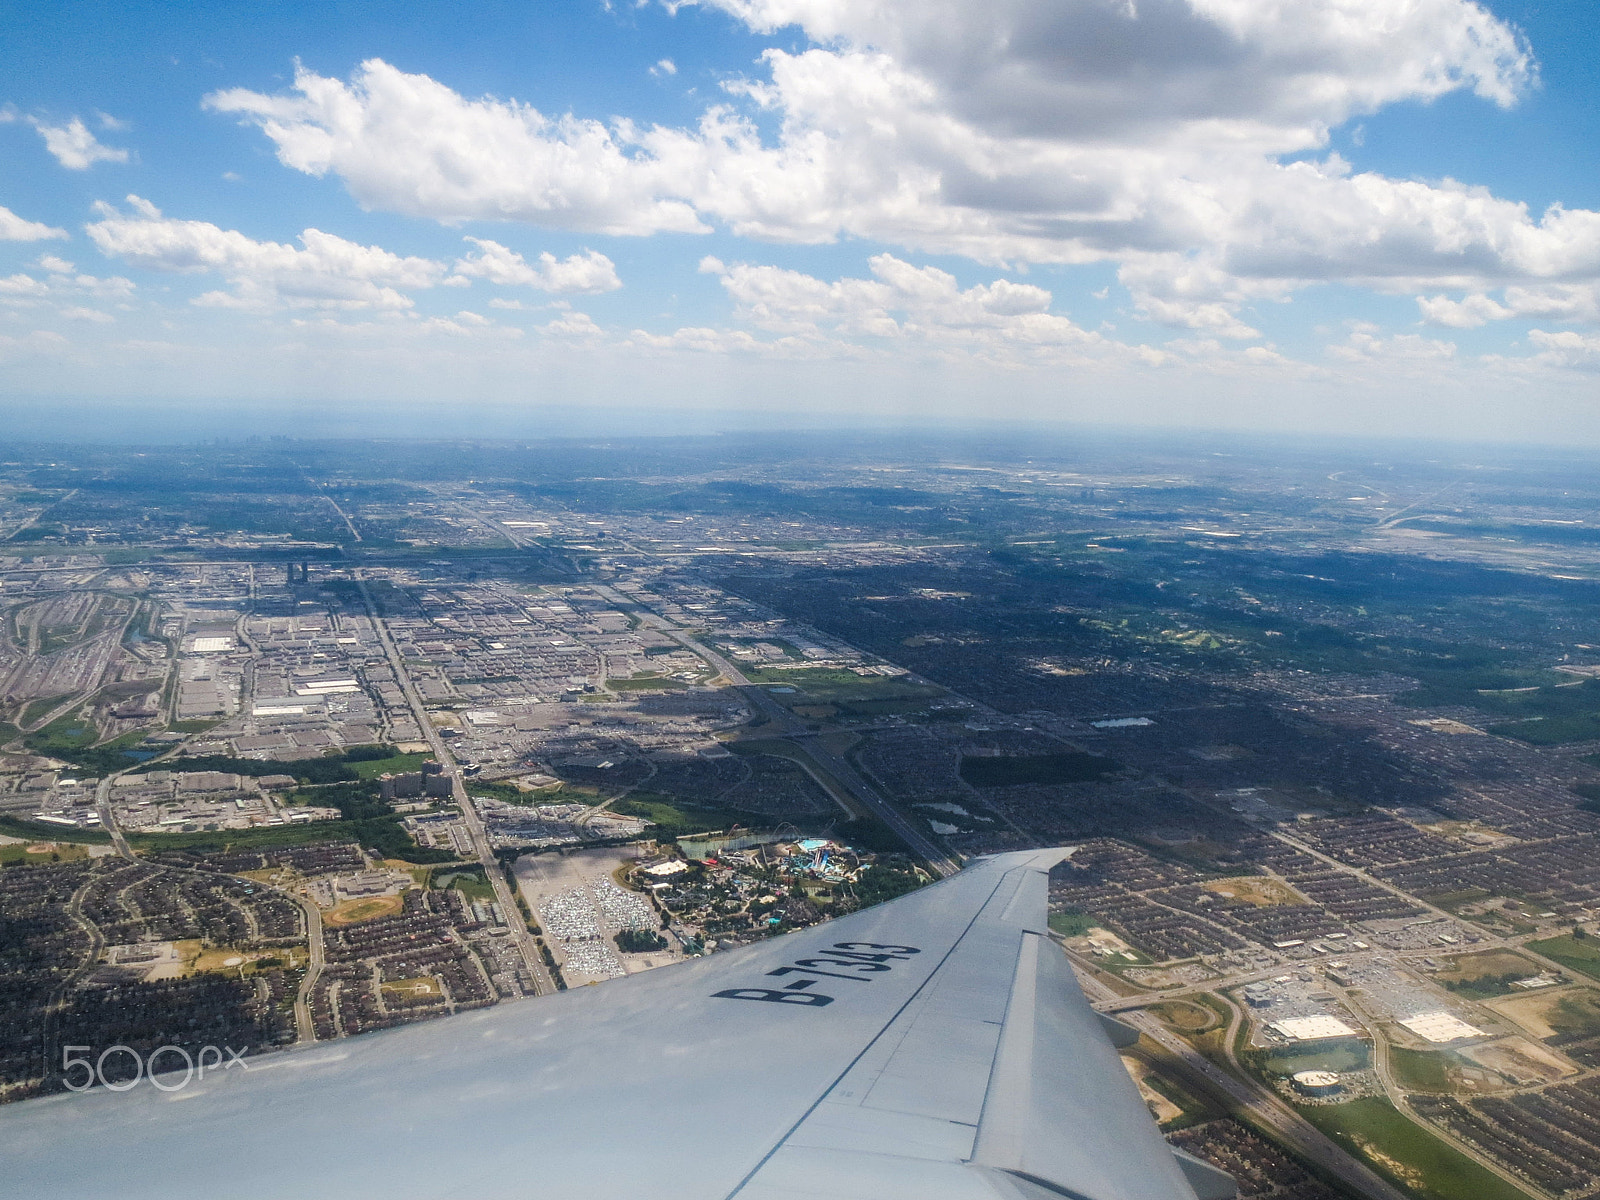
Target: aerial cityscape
(310, 739)
(800, 600)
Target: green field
(1576, 954)
(645, 683)
(471, 884)
(383, 834)
(1420, 1070)
(398, 764)
(675, 818)
(45, 832)
(1072, 924)
(35, 709)
(17, 852)
(1404, 1152)
(865, 695)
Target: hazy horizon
(1351, 219)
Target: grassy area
(43, 831)
(1420, 1070)
(1072, 924)
(1011, 770)
(1544, 716)
(645, 683)
(512, 794)
(1185, 1017)
(36, 709)
(64, 735)
(1576, 954)
(675, 818)
(863, 695)
(18, 852)
(1401, 1150)
(102, 759)
(396, 764)
(383, 834)
(472, 884)
(1576, 1013)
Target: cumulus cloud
(61, 285)
(15, 229)
(75, 147)
(901, 304)
(574, 325)
(409, 144)
(1067, 131)
(1566, 302)
(1366, 344)
(325, 271)
(1567, 349)
(578, 274)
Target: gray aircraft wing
(934, 1047)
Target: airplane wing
(933, 1047)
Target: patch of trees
(638, 941)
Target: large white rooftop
(1310, 1029)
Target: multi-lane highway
(543, 983)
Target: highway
(543, 983)
(1261, 1104)
(305, 1030)
(862, 795)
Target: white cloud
(1367, 345)
(1568, 349)
(665, 67)
(23, 285)
(409, 144)
(574, 325)
(15, 229)
(324, 272)
(1564, 302)
(901, 305)
(1067, 131)
(62, 282)
(79, 313)
(74, 146)
(578, 274)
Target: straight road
(543, 983)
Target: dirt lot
(1540, 1012)
(1492, 962)
(1260, 890)
(1160, 1107)
(1520, 1061)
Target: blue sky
(1274, 214)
